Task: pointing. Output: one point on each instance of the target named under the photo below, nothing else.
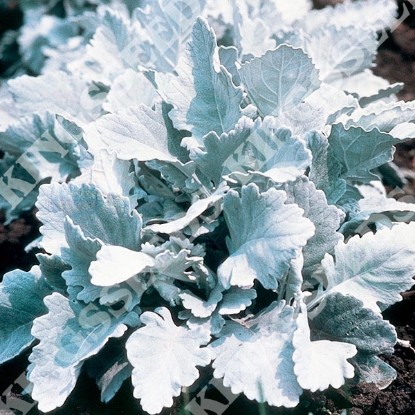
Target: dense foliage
(206, 174)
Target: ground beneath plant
(395, 62)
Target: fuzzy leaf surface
(319, 364)
(255, 357)
(164, 357)
(203, 95)
(279, 80)
(21, 301)
(69, 334)
(375, 268)
(264, 236)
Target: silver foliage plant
(205, 174)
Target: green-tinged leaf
(195, 210)
(115, 264)
(322, 363)
(276, 153)
(325, 218)
(69, 334)
(268, 150)
(203, 94)
(371, 369)
(81, 253)
(136, 132)
(375, 268)
(228, 56)
(39, 148)
(325, 168)
(217, 149)
(375, 206)
(254, 356)
(265, 235)
(52, 267)
(359, 151)
(110, 368)
(78, 255)
(164, 357)
(180, 176)
(343, 318)
(21, 301)
(279, 80)
(108, 219)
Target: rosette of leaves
(218, 217)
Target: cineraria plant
(206, 202)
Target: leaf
(371, 369)
(136, 132)
(203, 95)
(269, 150)
(376, 14)
(265, 234)
(110, 368)
(78, 256)
(375, 268)
(168, 25)
(236, 300)
(197, 306)
(343, 318)
(164, 357)
(21, 301)
(359, 151)
(195, 210)
(52, 267)
(332, 102)
(286, 155)
(232, 301)
(217, 149)
(376, 206)
(109, 174)
(388, 117)
(325, 168)
(129, 89)
(40, 150)
(115, 47)
(81, 253)
(255, 357)
(279, 80)
(115, 264)
(322, 363)
(252, 35)
(325, 218)
(339, 52)
(69, 334)
(57, 92)
(112, 221)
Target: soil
(395, 62)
